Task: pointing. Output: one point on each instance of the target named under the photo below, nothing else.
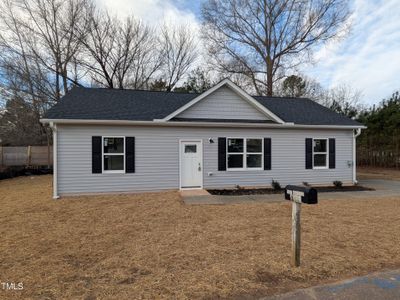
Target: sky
(367, 59)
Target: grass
(151, 246)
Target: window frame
(123, 171)
(245, 153)
(326, 154)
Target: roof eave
(195, 124)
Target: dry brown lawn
(378, 173)
(151, 246)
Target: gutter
(53, 126)
(197, 124)
(356, 133)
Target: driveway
(383, 188)
(376, 286)
(382, 184)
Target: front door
(191, 166)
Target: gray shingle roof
(304, 111)
(135, 105)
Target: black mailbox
(301, 194)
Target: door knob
(199, 167)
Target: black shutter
(309, 151)
(332, 153)
(130, 155)
(221, 154)
(96, 154)
(267, 153)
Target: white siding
(157, 158)
(223, 104)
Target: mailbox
(301, 194)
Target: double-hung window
(244, 154)
(113, 154)
(320, 153)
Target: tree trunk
(270, 66)
(57, 82)
(65, 79)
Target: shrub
(305, 183)
(276, 185)
(338, 183)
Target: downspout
(55, 173)
(356, 133)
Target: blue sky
(368, 59)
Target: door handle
(199, 167)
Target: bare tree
(99, 45)
(260, 39)
(21, 70)
(140, 54)
(51, 35)
(120, 54)
(341, 98)
(341, 94)
(178, 51)
(38, 52)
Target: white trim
(325, 153)
(55, 163)
(112, 154)
(237, 90)
(356, 133)
(201, 163)
(244, 153)
(196, 124)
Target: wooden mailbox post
(298, 195)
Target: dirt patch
(151, 246)
(263, 191)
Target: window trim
(245, 153)
(326, 153)
(113, 154)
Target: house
(116, 141)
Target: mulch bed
(262, 191)
(353, 188)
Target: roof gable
(224, 92)
(223, 104)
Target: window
(113, 154)
(244, 154)
(190, 149)
(320, 153)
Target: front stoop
(194, 192)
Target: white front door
(191, 165)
